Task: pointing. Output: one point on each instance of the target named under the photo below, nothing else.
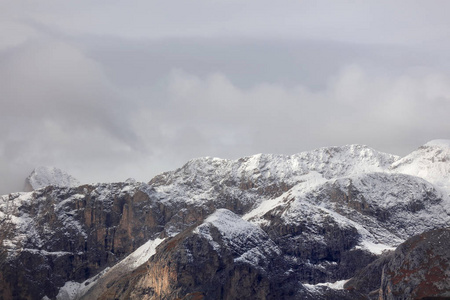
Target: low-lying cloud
(59, 108)
(108, 100)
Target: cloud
(61, 108)
(113, 91)
(58, 107)
(355, 107)
(370, 21)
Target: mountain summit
(430, 162)
(44, 176)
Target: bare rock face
(210, 262)
(62, 234)
(368, 280)
(419, 269)
(317, 251)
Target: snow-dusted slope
(263, 176)
(45, 176)
(249, 242)
(385, 208)
(331, 162)
(430, 162)
(90, 288)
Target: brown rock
(419, 269)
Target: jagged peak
(331, 162)
(43, 176)
(352, 150)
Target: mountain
(321, 224)
(418, 269)
(430, 162)
(423, 261)
(44, 176)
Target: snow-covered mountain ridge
(281, 224)
(330, 162)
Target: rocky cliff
(419, 268)
(260, 227)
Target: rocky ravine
(261, 227)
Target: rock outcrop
(419, 268)
(210, 262)
(368, 280)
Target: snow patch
(73, 290)
(307, 183)
(374, 247)
(47, 253)
(140, 255)
(69, 291)
(338, 285)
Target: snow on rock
(69, 291)
(74, 290)
(338, 285)
(330, 162)
(25, 225)
(321, 290)
(246, 178)
(307, 183)
(382, 203)
(430, 162)
(401, 203)
(45, 176)
(249, 242)
(370, 234)
(384, 208)
(334, 162)
(140, 255)
(374, 248)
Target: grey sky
(117, 89)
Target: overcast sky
(108, 90)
